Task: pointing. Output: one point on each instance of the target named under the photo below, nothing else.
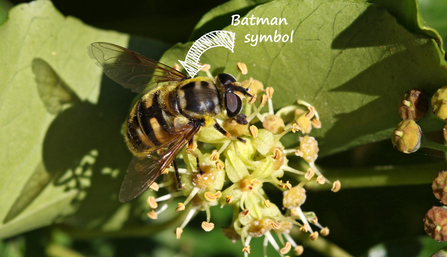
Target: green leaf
(433, 12)
(351, 60)
(4, 8)
(63, 154)
(407, 14)
(219, 17)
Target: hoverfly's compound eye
(226, 78)
(233, 104)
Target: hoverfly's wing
(142, 172)
(131, 69)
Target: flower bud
(435, 223)
(294, 197)
(273, 124)
(407, 136)
(414, 105)
(439, 187)
(438, 102)
(309, 149)
(258, 228)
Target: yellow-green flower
(235, 171)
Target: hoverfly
(166, 119)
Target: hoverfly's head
(233, 102)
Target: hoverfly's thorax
(199, 97)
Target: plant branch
(392, 175)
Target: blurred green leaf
(5, 5)
(351, 60)
(12, 248)
(63, 154)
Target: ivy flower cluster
(408, 138)
(233, 173)
(413, 107)
(435, 220)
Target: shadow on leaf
(407, 61)
(84, 149)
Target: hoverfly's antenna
(236, 87)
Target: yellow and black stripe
(147, 128)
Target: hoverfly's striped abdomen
(199, 98)
(147, 124)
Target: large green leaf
(219, 17)
(63, 154)
(352, 60)
(433, 13)
(408, 15)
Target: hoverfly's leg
(177, 175)
(222, 130)
(241, 119)
(190, 150)
(225, 133)
(198, 166)
(241, 139)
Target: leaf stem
(432, 145)
(391, 175)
